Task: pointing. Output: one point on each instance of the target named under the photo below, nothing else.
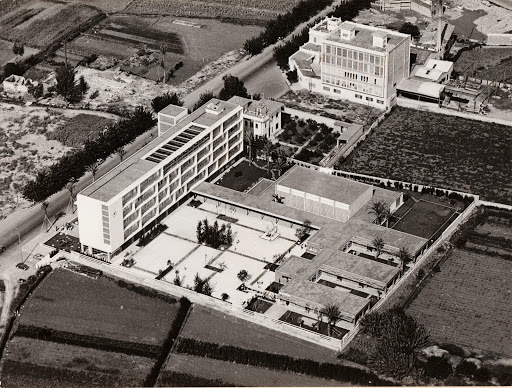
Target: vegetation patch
(77, 130)
(243, 176)
(439, 150)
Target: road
(250, 71)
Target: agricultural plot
(41, 24)
(236, 374)
(244, 11)
(134, 42)
(62, 364)
(486, 63)
(72, 303)
(212, 326)
(467, 303)
(438, 150)
(6, 54)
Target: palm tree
(121, 152)
(250, 142)
(46, 220)
(405, 257)
(379, 209)
(332, 312)
(267, 150)
(378, 244)
(163, 50)
(93, 168)
(280, 162)
(71, 187)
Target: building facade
(262, 118)
(131, 198)
(357, 62)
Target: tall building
(353, 61)
(262, 118)
(121, 205)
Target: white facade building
(262, 118)
(353, 61)
(129, 199)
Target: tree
(243, 276)
(268, 147)
(378, 244)
(302, 232)
(93, 168)
(405, 257)
(11, 68)
(160, 102)
(254, 45)
(203, 99)
(202, 286)
(379, 209)
(82, 86)
(121, 152)
(332, 312)
(177, 280)
(163, 50)
(437, 367)
(232, 87)
(18, 48)
(411, 29)
(36, 91)
(46, 220)
(280, 161)
(292, 76)
(398, 340)
(65, 76)
(249, 142)
(71, 187)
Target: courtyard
(177, 251)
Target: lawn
(94, 364)
(438, 150)
(243, 176)
(307, 323)
(64, 242)
(425, 218)
(210, 325)
(73, 303)
(235, 374)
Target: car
(22, 266)
(20, 281)
(38, 256)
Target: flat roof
(173, 110)
(322, 295)
(427, 73)
(364, 269)
(324, 185)
(302, 56)
(444, 66)
(306, 69)
(133, 168)
(429, 89)
(364, 36)
(312, 47)
(392, 237)
(349, 131)
(294, 266)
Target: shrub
(466, 368)
(238, 174)
(160, 102)
(420, 274)
(292, 76)
(12, 68)
(437, 367)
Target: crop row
(88, 341)
(177, 379)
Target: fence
(217, 304)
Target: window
(345, 53)
(377, 70)
(327, 89)
(361, 56)
(359, 96)
(338, 51)
(377, 60)
(349, 64)
(372, 59)
(369, 99)
(314, 40)
(380, 102)
(327, 49)
(338, 61)
(337, 91)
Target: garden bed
(243, 176)
(321, 327)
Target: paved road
(25, 220)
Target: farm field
(69, 302)
(468, 303)
(40, 24)
(438, 150)
(32, 138)
(133, 43)
(486, 63)
(236, 374)
(105, 5)
(240, 11)
(28, 353)
(6, 54)
(212, 326)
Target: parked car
(21, 281)
(22, 266)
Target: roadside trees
(232, 87)
(160, 102)
(203, 99)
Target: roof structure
(140, 163)
(317, 295)
(364, 36)
(294, 266)
(173, 110)
(327, 186)
(257, 108)
(428, 89)
(312, 47)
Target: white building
(262, 118)
(434, 70)
(128, 200)
(353, 61)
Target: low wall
(423, 106)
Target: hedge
(178, 379)
(285, 363)
(176, 326)
(88, 341)
(145, 291)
